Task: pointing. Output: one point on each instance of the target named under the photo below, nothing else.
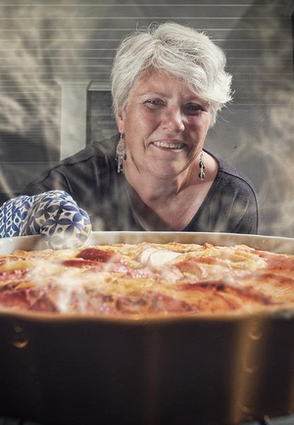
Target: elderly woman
(168, 83)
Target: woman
(168, 83)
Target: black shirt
(90, 177)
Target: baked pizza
(147, 279)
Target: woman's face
(165, 125)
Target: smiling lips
(169, 145)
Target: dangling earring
(201, 175)
(121, 155)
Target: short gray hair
(177, 50)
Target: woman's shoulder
(231, 204)
(230, 177)
(103, 149)
(97, 152)
(95, 161)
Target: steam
(29, 93)
(257, 135)
(71, 285)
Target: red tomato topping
(95, 254)
(81, 263)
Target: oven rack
(286, 420)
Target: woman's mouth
(169, 145)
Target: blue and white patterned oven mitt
(54, 215)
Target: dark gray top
(90, 177)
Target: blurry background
(55, 61)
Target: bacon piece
(132, 304)
(98, 303)
(152, 302)
(115, 267)
(278, 264)
(192, 266)
(96, 266)
(29, 299)
(17, 299)
(279, 287)
(20, 298)
(280, 279)
(13, 275)
(195, 286)
(110, 268)
(44, 303)
(171, 273)
(95, 254)
(217, 287)
(90, 302)
(144, 272)
(161, 302)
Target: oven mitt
(54, 215)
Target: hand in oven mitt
(54, 215)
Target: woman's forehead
(163, 84)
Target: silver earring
(201, 175)
(121, 155)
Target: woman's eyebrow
(155, 93)
(169, 96)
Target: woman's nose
(173, 120)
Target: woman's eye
(153, 103)
(194, 108)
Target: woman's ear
(120, 122)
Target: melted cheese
(147, 278)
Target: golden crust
(147, 278)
